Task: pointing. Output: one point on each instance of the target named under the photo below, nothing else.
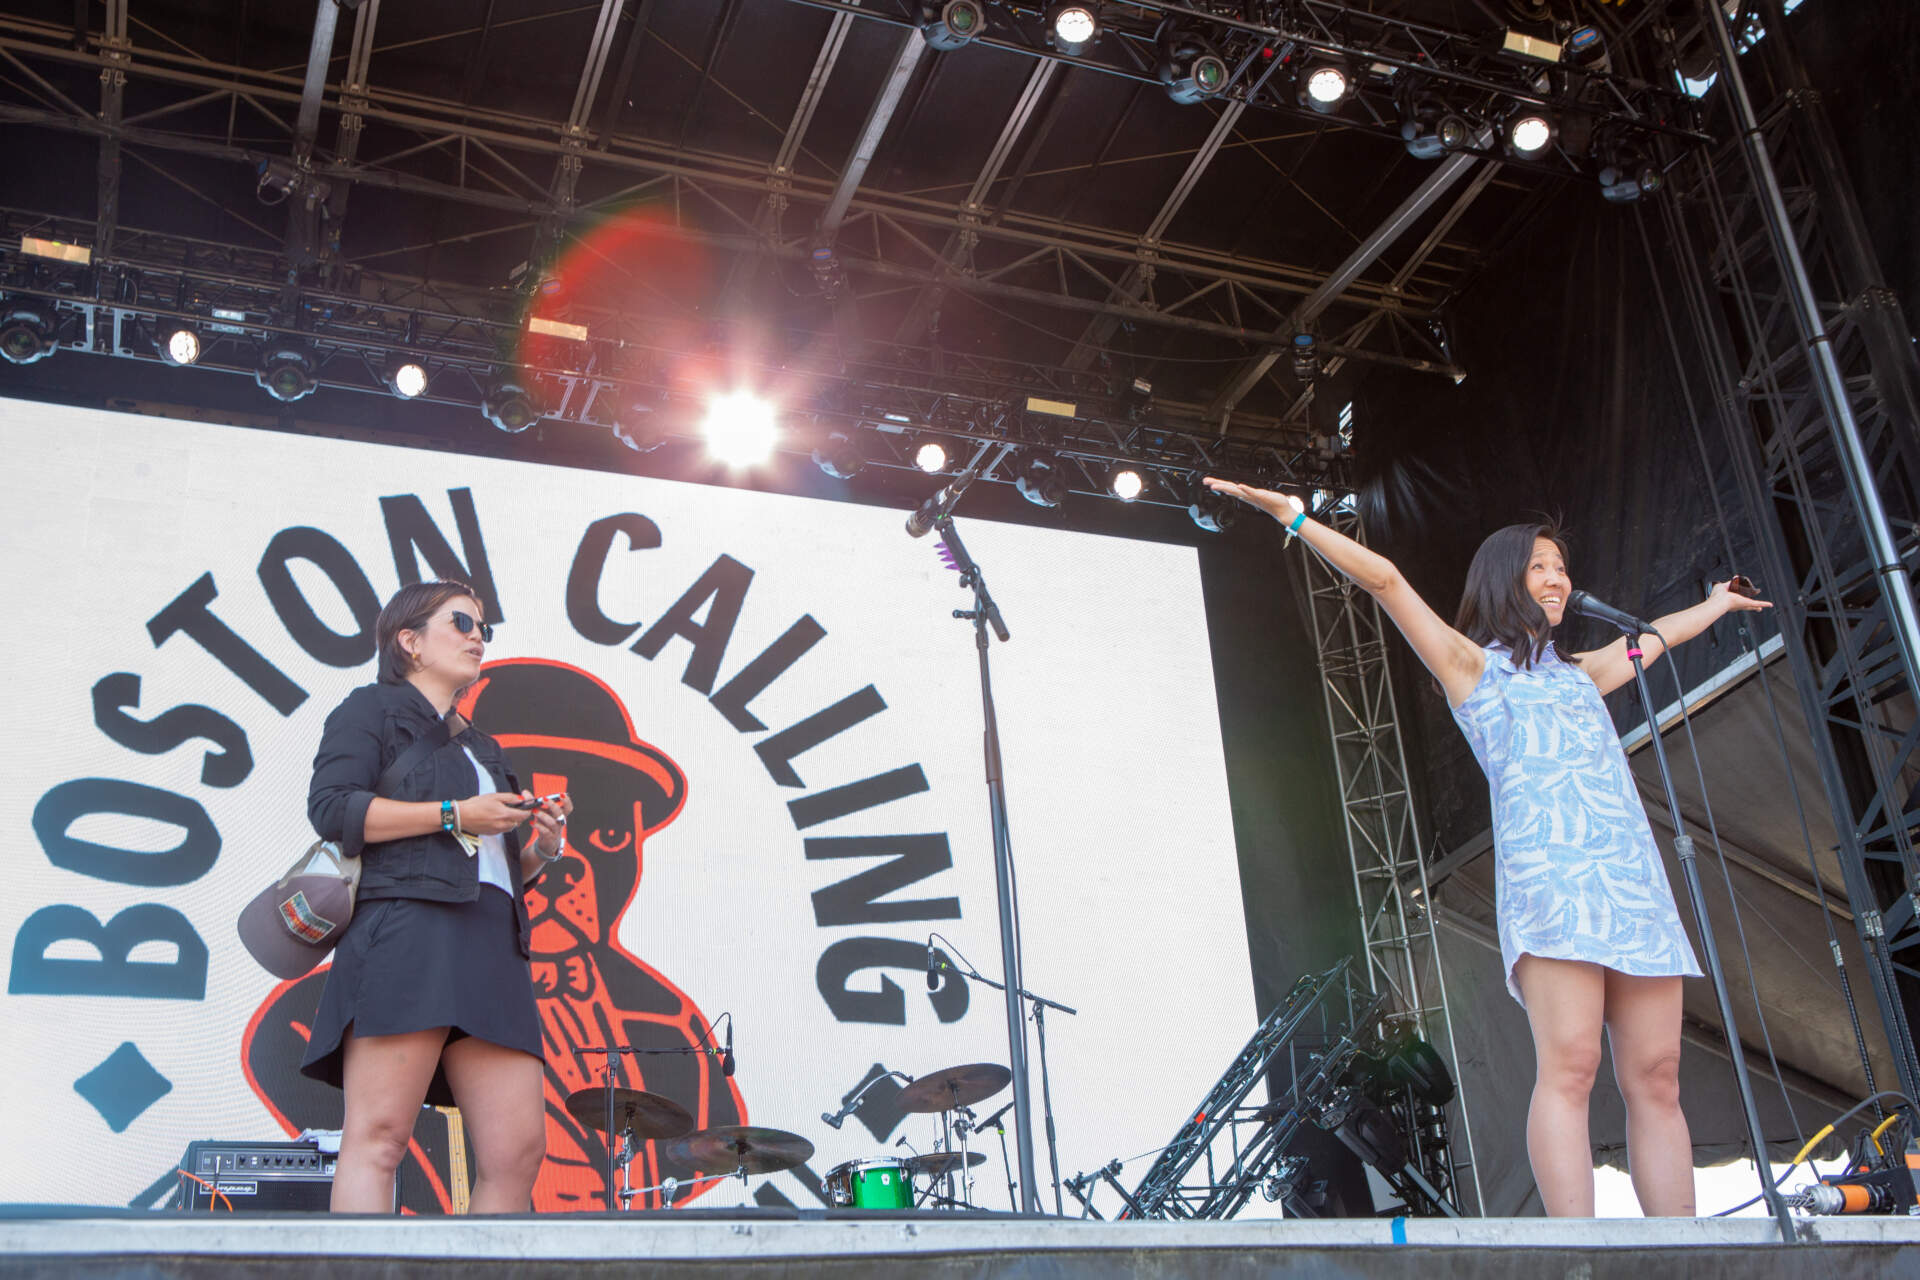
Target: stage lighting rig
(1623, 184)
(509, 405)
(1040, 482)
(839, 457)
(1126, 483)
(931, 456)
(27, 333)
(638, 428)
(1527, 131)
(178, 344)
(407, 378)
(1211, 511)
(285, 371)
(951, 25)
(1305, 355)
(740, 429)
(1190, 69)
(1071, 27)
(1325, 83)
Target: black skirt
(406, 964)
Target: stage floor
(88, 1243)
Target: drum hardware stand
(1683, 850)
(1110, 1174)
(986, 613)
(1040, 1006)
(671, 1186)
(613, 1076)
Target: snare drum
(869, 1184)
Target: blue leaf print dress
(1577, 874)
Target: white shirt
(493, 849)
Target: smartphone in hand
(537, 801)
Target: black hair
(411, 608)
(1495, 603)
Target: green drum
(869, 1184)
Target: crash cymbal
(954, 1087)
(648, 1114)
(937, 1164)
(741, 1146)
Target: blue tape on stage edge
(1399, 1230)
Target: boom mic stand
(986, 613)
(1040, 1006)
(1683, 850)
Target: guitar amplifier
(257, 1177)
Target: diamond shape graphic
(123, 1086)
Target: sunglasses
(464, 624)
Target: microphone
(933, 967)
(834, 1119)
(1600, 611)
(726, 1059)
(928, 513)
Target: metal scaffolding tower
(1793, 346)
(1401, 951)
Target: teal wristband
(446, 816)
(1297, 522)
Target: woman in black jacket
(429, 998)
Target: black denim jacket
(364, 734)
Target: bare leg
(1643, 1025)
(385, 1079)
(1565, 1002)
(504, 1109)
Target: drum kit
(633, 1116)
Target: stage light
(1306, 357)
(285, 371)
(510, 406)
(1625, 184)
(27, 333)
(179, 345)
(951, 25)
(407, 379)
(1072, 27)
(639, 428)
(1325, 84)
(839, 457)
(1039, 481)
(740, 429)
(1126, 483)
(1529, 131)
(1190, 69)
(1210, 511)
(930, 456)
(1441, 134)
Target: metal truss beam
(879, 116)
(1401, 951)
(1805, 363)
(116, 47)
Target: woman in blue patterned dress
(1589, 935)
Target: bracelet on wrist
(448, 820)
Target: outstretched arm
(1609, 665)
(1455, 661)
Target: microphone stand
(1040, 1006)
(986, 613)
(1013, 1201)
(1683, 850)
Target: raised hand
(1733, 602)
(1281, 506)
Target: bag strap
(436, 738)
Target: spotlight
(951, 25)
(1625, 184)
(1190, 68)
(179, 345)
(839, 457)
(1072, 27)
(407, 379)
(1039, 481)
(1429, 138)
(638, 429)
(27, 334)
(1211, 511)
(930, 456)
(1306, 357)
(509, 405)
(1528, 131)
(1126, 484)
(285, 371)
(1325, 84)
(740, 429)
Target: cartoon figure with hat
(562, 730)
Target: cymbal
(936, 1164)
(954, 1087)
(649, 1114)
(741, 1146)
